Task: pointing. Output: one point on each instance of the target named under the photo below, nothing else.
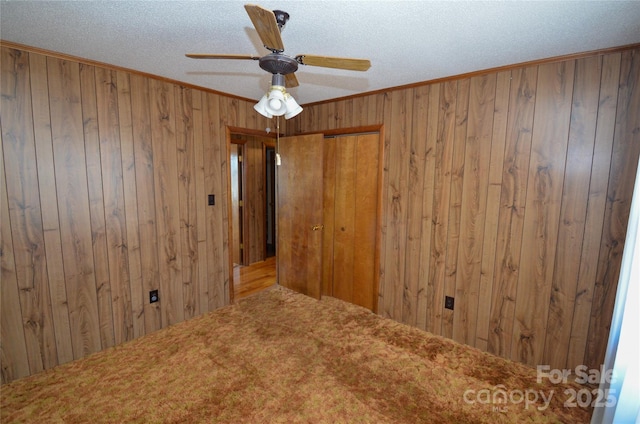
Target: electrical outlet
(448, 302)
(153, 296)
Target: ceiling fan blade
(334, 62)
(264, 20)
(291, 80)
(221, 56)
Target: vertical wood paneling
(573, 210)
(441, 196)
(624, 162)
(125, 118)
(50, 219)
(13, 347)
(122, 163)
(213, 155)
(143, 153)
(86, 318)
(201, 199)
(477, 158)
(425, 301)
(534, 265)
(397, 199)
(106, 175)
(599, 180)
(114, 213)
(386, 292)
(512, 208)
(544, 196)
(25, 211)
(165, 166)
(416, 168)
(492, 214)
(187, 199)
(96, 203)
(455, 200)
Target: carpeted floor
(280, 357)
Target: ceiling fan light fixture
(277, 102)
(261, 107)
(276, 105)
(293, 108)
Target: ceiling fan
(269, 25)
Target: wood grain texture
(584, 112)
(544, 199)
(425, 300)
(512, 208)
(105, 201)
(600, 168)
(25, 211)
(143, 154)
(553, 210)
(328, 213)
(53, 164)
(90, 325)
(50, 217)
(130, 196)
(441, 195)
(187, 198)
(13, 346)
(455, 188)
(165, 166)
(492, 213)
(114, 212)
(96, 203)
(477, 159)
(350, 209)
(624, 163)
(299, 238)
(345, 209)
(415, 184)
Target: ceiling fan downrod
(281, 18)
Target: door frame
(379, 128)
(229, 130)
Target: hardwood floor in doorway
(253, 278)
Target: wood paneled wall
(509, 191)
(105, 177)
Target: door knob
(317, 227)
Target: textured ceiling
(406, 41)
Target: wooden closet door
(299, 212)
(351, 218)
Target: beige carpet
(280, 357)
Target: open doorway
(237, 203)
(252, 215)
(270, 201)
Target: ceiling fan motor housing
(278, 63)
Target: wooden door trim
(347, 131)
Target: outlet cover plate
(448, 302)
(153, 296)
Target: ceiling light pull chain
(278, 160)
